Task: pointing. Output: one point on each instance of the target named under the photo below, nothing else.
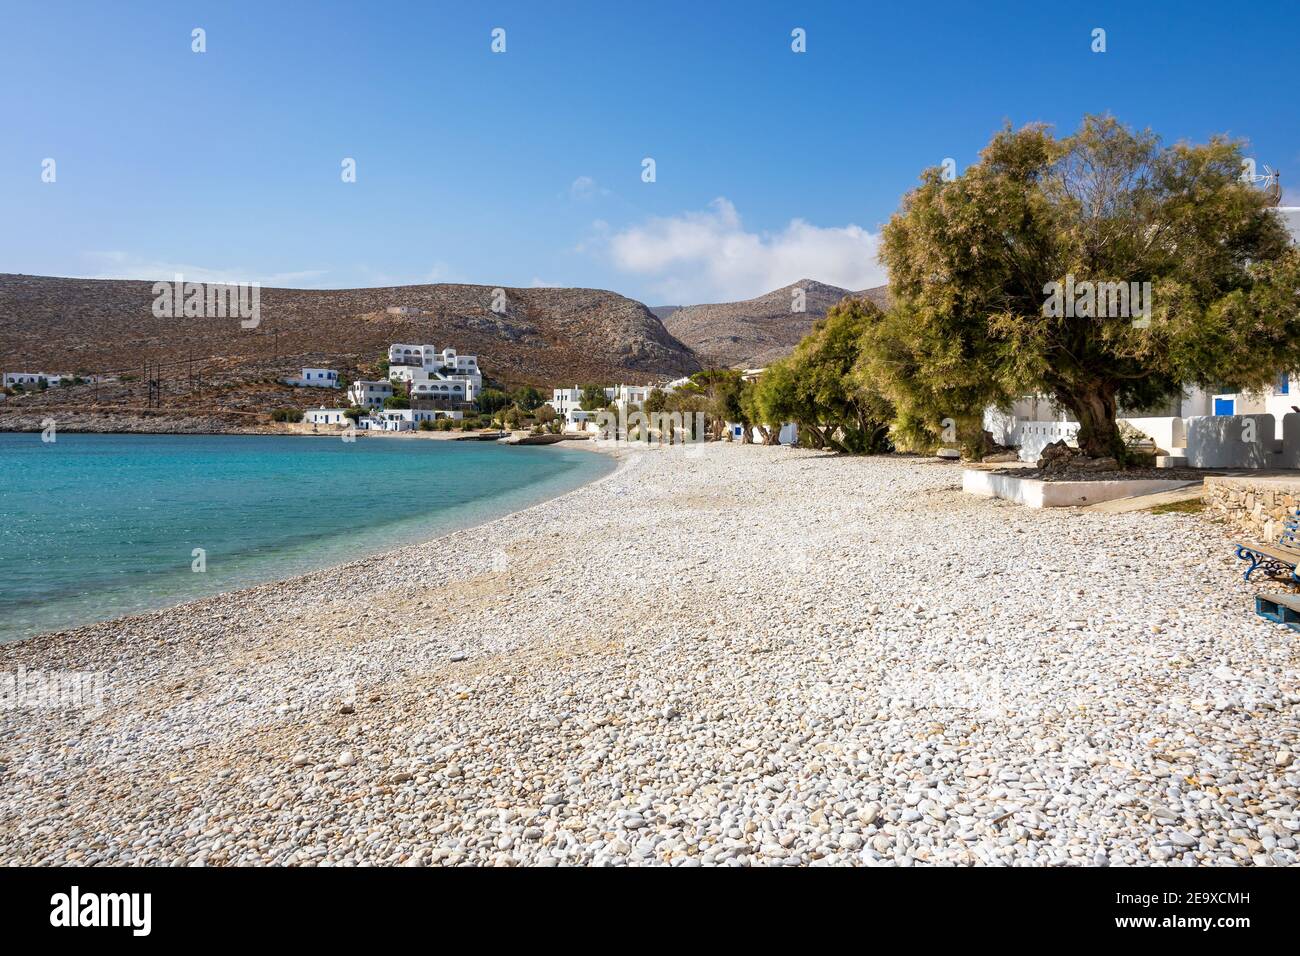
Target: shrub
(426, 425)
(286, 415)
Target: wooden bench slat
(1286, 555)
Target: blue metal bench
(1279, 608)
(1276, 561)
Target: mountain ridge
(753, 332)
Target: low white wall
(1034, 493)
(1208, 441)
(1290, 456)
(1033, 437)
(1232, 441)
(1167, 432)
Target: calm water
(96, 526)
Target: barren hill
(543, 337)
(754, 332)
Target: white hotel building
(434, 373)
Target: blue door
(1224, 406)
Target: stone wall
(1254, 507)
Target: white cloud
(584, 188)
(710, 256)
(123, 265)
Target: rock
(346, 759)
(301, 760)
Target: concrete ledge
(1036, 493)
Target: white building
(567, 402)
(369, 394)
(31, 379)
(431, 359)
(425, 365)
(788, 435)
(325, 416)
(409, 419)
(315, 378)
(443, 389)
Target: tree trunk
(1095, 408)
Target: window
(1283, 386)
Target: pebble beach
(717, 655)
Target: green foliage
(1192, 506)
(444, 424)
(397, 401)
(492, 400)
(527, 398)
(818, 388)
(426, 425)
(714, 392)
(356, 413)
(286, 415)
(971, 262)
(593, 398)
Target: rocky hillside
(757, 331)
(543, 337)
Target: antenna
(1272, 181)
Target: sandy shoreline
(729, 655)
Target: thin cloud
(709, 255)
(123, 265)
(585, 188)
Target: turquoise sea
(96, 526)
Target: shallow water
(96, 526)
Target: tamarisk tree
(1103, 269)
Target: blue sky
(524, 167)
